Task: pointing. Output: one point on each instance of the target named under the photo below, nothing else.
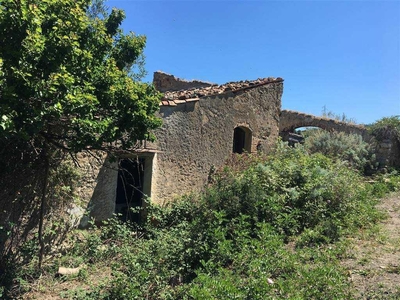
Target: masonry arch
(290, 120)
(242, 137)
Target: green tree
(65, 77)
(66, 80)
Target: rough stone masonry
(203, 124)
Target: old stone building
(203, 124)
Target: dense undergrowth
(350, 148)
(266, 228)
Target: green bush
(350, 148)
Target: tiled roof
(191, 95)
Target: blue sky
(344, 55)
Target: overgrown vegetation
(365, 155)
(342, 146)
(265, 228)
(21, 184)
(388, 127)
(338, 117)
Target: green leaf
(67, 71)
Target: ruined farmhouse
(203, 124)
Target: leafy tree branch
(67, 80)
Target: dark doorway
(130, 188)
(239, 137)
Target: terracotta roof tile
(179, 101)
(191, 95)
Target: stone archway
(290, 120)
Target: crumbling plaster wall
(198, 135)
(98, 187)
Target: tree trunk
(43, 205)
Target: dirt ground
(374, 259)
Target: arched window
(241, 140)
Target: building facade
(203, 124)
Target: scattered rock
(68, 271)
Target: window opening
(241, 140)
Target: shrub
(343, 146)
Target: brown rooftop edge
(174, 98)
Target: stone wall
(388, 152)
(290, 120)
(165, 82)
(98, 187)
(197, 135)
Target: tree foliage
(65, 76)
(387, 127)
(66, 85)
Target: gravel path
(374, 260)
